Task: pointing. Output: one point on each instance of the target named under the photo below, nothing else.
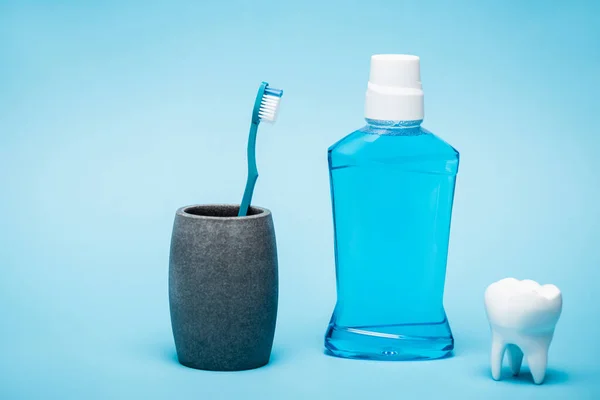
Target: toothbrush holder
(223, 287)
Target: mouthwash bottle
(392, 188)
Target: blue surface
(392, 186)
(109, 111)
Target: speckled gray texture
(223, 287)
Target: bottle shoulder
(401, 142)
(393, 146)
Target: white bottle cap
(394, 92)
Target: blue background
(113, 115)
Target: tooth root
(498, 348)
(515, 358)
(537, 365)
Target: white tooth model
(522, 316)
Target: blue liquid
(392, 188)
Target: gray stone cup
(223, 287)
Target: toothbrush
(265, 109)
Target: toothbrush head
(269, 103)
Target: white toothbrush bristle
(268, 108)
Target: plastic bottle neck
(402, 128)
(376, 123)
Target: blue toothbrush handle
(252, 171)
